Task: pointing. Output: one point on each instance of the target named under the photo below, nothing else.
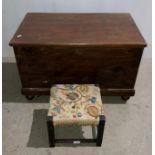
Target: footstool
(75, 104)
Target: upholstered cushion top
(79, 104)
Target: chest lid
(78, 29)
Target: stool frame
(97, 140)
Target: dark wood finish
(100, 130)
(62, 29)
(72, 140)
(78, 48)
(106, 92)
(97, 140)
(51, 133)
(125, 98)
(30, 97)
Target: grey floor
(127, 132)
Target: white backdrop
(14, 11)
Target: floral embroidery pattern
(79, 104)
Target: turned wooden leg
(125, 98)
(30, 97)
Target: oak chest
(53, 48)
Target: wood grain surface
(80, 29)
(102, 48)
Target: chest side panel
(110, 67)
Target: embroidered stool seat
(75, 104)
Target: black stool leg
(50, 128)
(100, 131)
